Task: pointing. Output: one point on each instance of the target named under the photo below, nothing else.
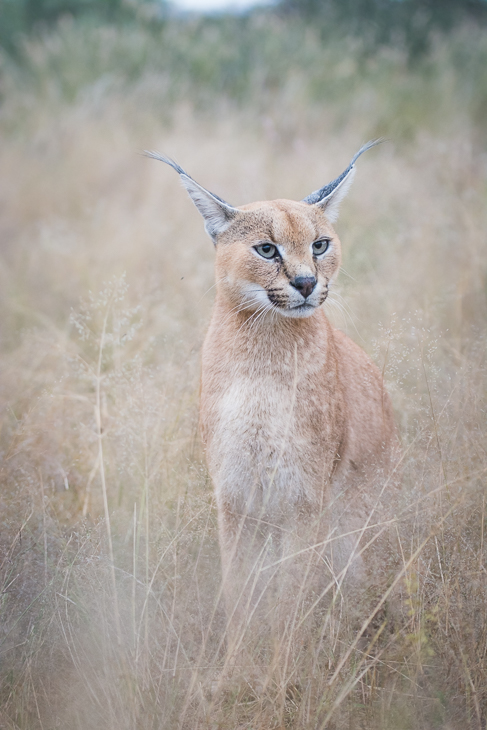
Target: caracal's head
(277, 255)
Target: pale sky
(211, 5)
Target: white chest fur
(255, 453)
(265, 423)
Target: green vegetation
(19, 18)
(409, 23)
(256, 63)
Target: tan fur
(297, 426)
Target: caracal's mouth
(259, 297)
(304, 309)
(299, 310)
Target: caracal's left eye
(267, 250)
(320, 247)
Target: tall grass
(110, 569)
(258, 63)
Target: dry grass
(105, 291)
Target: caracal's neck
(266, 336)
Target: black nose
(304, 284)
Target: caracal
(296, 423)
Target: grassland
(109, 566)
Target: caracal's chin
(300, 312)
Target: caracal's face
(279, 256)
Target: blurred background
(109, 565)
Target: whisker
(347, 314)
(346, 304)
(248, 321)
(256, 314)
(241, 307)
(206, 292)
(268, 308)
(347, 274)
(211, 287)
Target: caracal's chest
(268, 422)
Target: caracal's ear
(217, 214)
(330, 196)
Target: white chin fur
(255, 296)
(305, 310)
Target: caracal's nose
(304, 284)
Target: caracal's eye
(266, 250)
(320, 247)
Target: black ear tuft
(330, 196)
(217, 213)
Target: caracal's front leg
(250, 552)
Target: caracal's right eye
(266, 250)
(320, 247)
